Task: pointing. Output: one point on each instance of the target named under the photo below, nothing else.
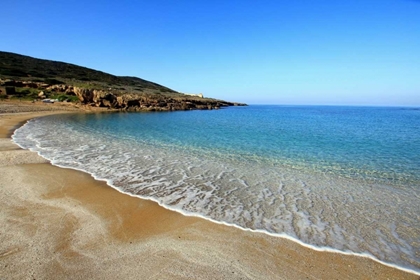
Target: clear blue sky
(355, 52)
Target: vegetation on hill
(53, 72)
(33, 78)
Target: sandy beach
(62, 224)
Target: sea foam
(319, 207)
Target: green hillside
(16, 66)
(35, 79)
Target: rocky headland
(27, 78)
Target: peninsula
(28, 78)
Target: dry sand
(62, 224)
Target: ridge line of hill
(39, 79)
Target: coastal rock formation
(85, 95)
(134, 102)
(26, 77)
(114, 99)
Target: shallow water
(345, 178)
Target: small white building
(194, 94)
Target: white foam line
(188, 214)
(280, 235)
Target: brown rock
(85, 95)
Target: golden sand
(60, 223)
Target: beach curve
(71, 224)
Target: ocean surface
(333, 178)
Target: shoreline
(257, 231)
(150, 234)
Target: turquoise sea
(333, 178)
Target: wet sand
(62, 224)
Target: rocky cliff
(134, 102)
(114, 99)
(34, 79)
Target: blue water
(346, 178)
